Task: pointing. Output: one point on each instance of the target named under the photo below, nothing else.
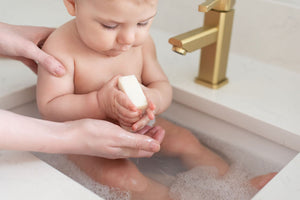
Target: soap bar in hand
(131, 86)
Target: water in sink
(200, 182)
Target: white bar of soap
(132, 88)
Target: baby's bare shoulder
(59, 44)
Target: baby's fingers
(151, 110)
(141, 123)
(127, 116)
(125, 102)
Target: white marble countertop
(23, 176)
(259, 97)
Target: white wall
(267, 30)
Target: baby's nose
(126, 37)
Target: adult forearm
(29, 134)
(88, 137)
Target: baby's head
(111, 27)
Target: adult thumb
(49, 63)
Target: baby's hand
(116, 105)
(133, 89)
(146, 118)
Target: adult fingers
(45, 60)
(30, 63)
(130, 153)
(139, 142)
(49, 63)
(157, 133)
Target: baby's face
(111, 27)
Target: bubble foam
(203, 183)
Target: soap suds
(203, 183)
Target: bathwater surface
(193, 184)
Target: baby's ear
(70, 5)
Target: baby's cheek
(101, 41)
(140, 39)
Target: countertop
(259, 97)
(23, 176)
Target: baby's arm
(55, 96)
(58, 101)
(157, 87)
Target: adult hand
(23, 42)
(104, 139)
(87, 136)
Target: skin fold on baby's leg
(122, 174)
(180, 142)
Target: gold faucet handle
(219, 5)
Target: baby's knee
(126, 177)
(188, 140)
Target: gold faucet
(213, 39)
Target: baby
(106, 39)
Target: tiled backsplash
(266, 30)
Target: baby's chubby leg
(181, 142)
(122, 174)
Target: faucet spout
(194, 40)
(213, 39)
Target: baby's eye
(112, 26)
(143, 23)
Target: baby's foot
(260, 181)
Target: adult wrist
(71, 140)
